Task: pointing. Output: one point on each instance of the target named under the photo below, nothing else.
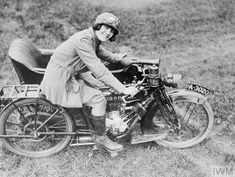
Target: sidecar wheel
(23, 117)
(196, 121)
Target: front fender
(182, 94)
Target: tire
(196, 119)
(23, 117)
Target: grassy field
(195, 38)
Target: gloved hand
(132, 91)
(125, 60)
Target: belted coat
(80, 53)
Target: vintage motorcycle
(32, 126)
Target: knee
(99, 108)
(103, 102)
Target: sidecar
(29, 61)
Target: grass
(192, 37)
(75, 161)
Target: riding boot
(100, 137)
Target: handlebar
(146, 61)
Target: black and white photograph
(117, 88)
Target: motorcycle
(32, 126)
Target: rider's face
(105, 33)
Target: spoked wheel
(36, 128)
(196, 120)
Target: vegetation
(193, 37)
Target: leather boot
(100, 137)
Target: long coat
(81, 52)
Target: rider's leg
(98, 118)
(95, 99)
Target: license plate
(198, 88)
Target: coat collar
(94, 37)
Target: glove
(132, 91)
(125, 60)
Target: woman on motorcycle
(82, 55)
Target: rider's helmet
(108, 19)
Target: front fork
(167, 110)
(146, 110)
(163, 103)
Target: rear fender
(182, 94)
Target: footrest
(138, 138)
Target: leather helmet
(108, 19)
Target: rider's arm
(91, 80)
(114, 58)
(109, 56)
(86, 51)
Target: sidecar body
(29, 61)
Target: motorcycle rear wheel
(24, 116)
(196, 120)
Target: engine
(114, 123)
(115, 111)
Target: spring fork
(168, 108)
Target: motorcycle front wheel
(195, 117)
(20, 120)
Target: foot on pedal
(106, 143)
